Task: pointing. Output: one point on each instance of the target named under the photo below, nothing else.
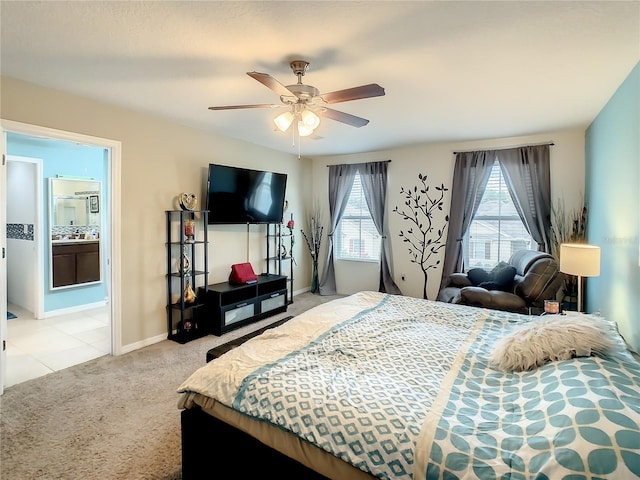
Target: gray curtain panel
(374, 184)
(340, 183)
(470, 177)
(527, 176)
(526, 172)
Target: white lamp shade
(310, 119)
(303, 130)
(283, 121)
(580, 259)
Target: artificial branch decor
(567, 226)
(421, 207)
(314, 239)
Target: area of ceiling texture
(450, 70)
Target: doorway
(111, 303)
(40, 342)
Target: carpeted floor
(109, 418)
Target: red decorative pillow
(242, 273)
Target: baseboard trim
(75, 309)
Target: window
(496, 230)
(357, 236)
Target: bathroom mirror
(74, 220)
(74, 203)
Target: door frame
(113, 260)
(3, 262)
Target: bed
(386, 386)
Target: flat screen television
(242, 195)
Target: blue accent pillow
(491, 285)
(503, 275)
(478, 275)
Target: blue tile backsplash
(17, 231)
(68, 231)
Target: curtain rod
(388, 161)
(507, 148)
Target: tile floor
(38, 347)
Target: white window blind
(357, 237)
(496, 230)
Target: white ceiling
(451, 70)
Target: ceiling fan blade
(342, 117)
(271, 82)
(237, 107)
(355, 93)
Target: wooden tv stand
(229, 306)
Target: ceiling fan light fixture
(304, 130)
(305, 102)
(283, 121)
(310, 119)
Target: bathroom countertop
(75, 240)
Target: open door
(3, 263)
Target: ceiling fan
(306, 104)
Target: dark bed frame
(211, 447)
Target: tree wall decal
(419, 212)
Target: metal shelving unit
(184, 322)
(279, 255)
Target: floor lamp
(581, 260)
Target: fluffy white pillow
(552, 338)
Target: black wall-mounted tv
(242, 195)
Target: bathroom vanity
(75, 261)
(74, 213)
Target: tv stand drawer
(238, 313)
(273, 301)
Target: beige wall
(437, 162)
(159, 160)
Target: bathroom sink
(74, 240)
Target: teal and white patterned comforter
(400, 388)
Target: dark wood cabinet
(75, 263)
(87, 266)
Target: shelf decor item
(188, 201)
(290, 225)
(189, 294)
(184, 266)
(189, 230)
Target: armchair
(537, 278)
